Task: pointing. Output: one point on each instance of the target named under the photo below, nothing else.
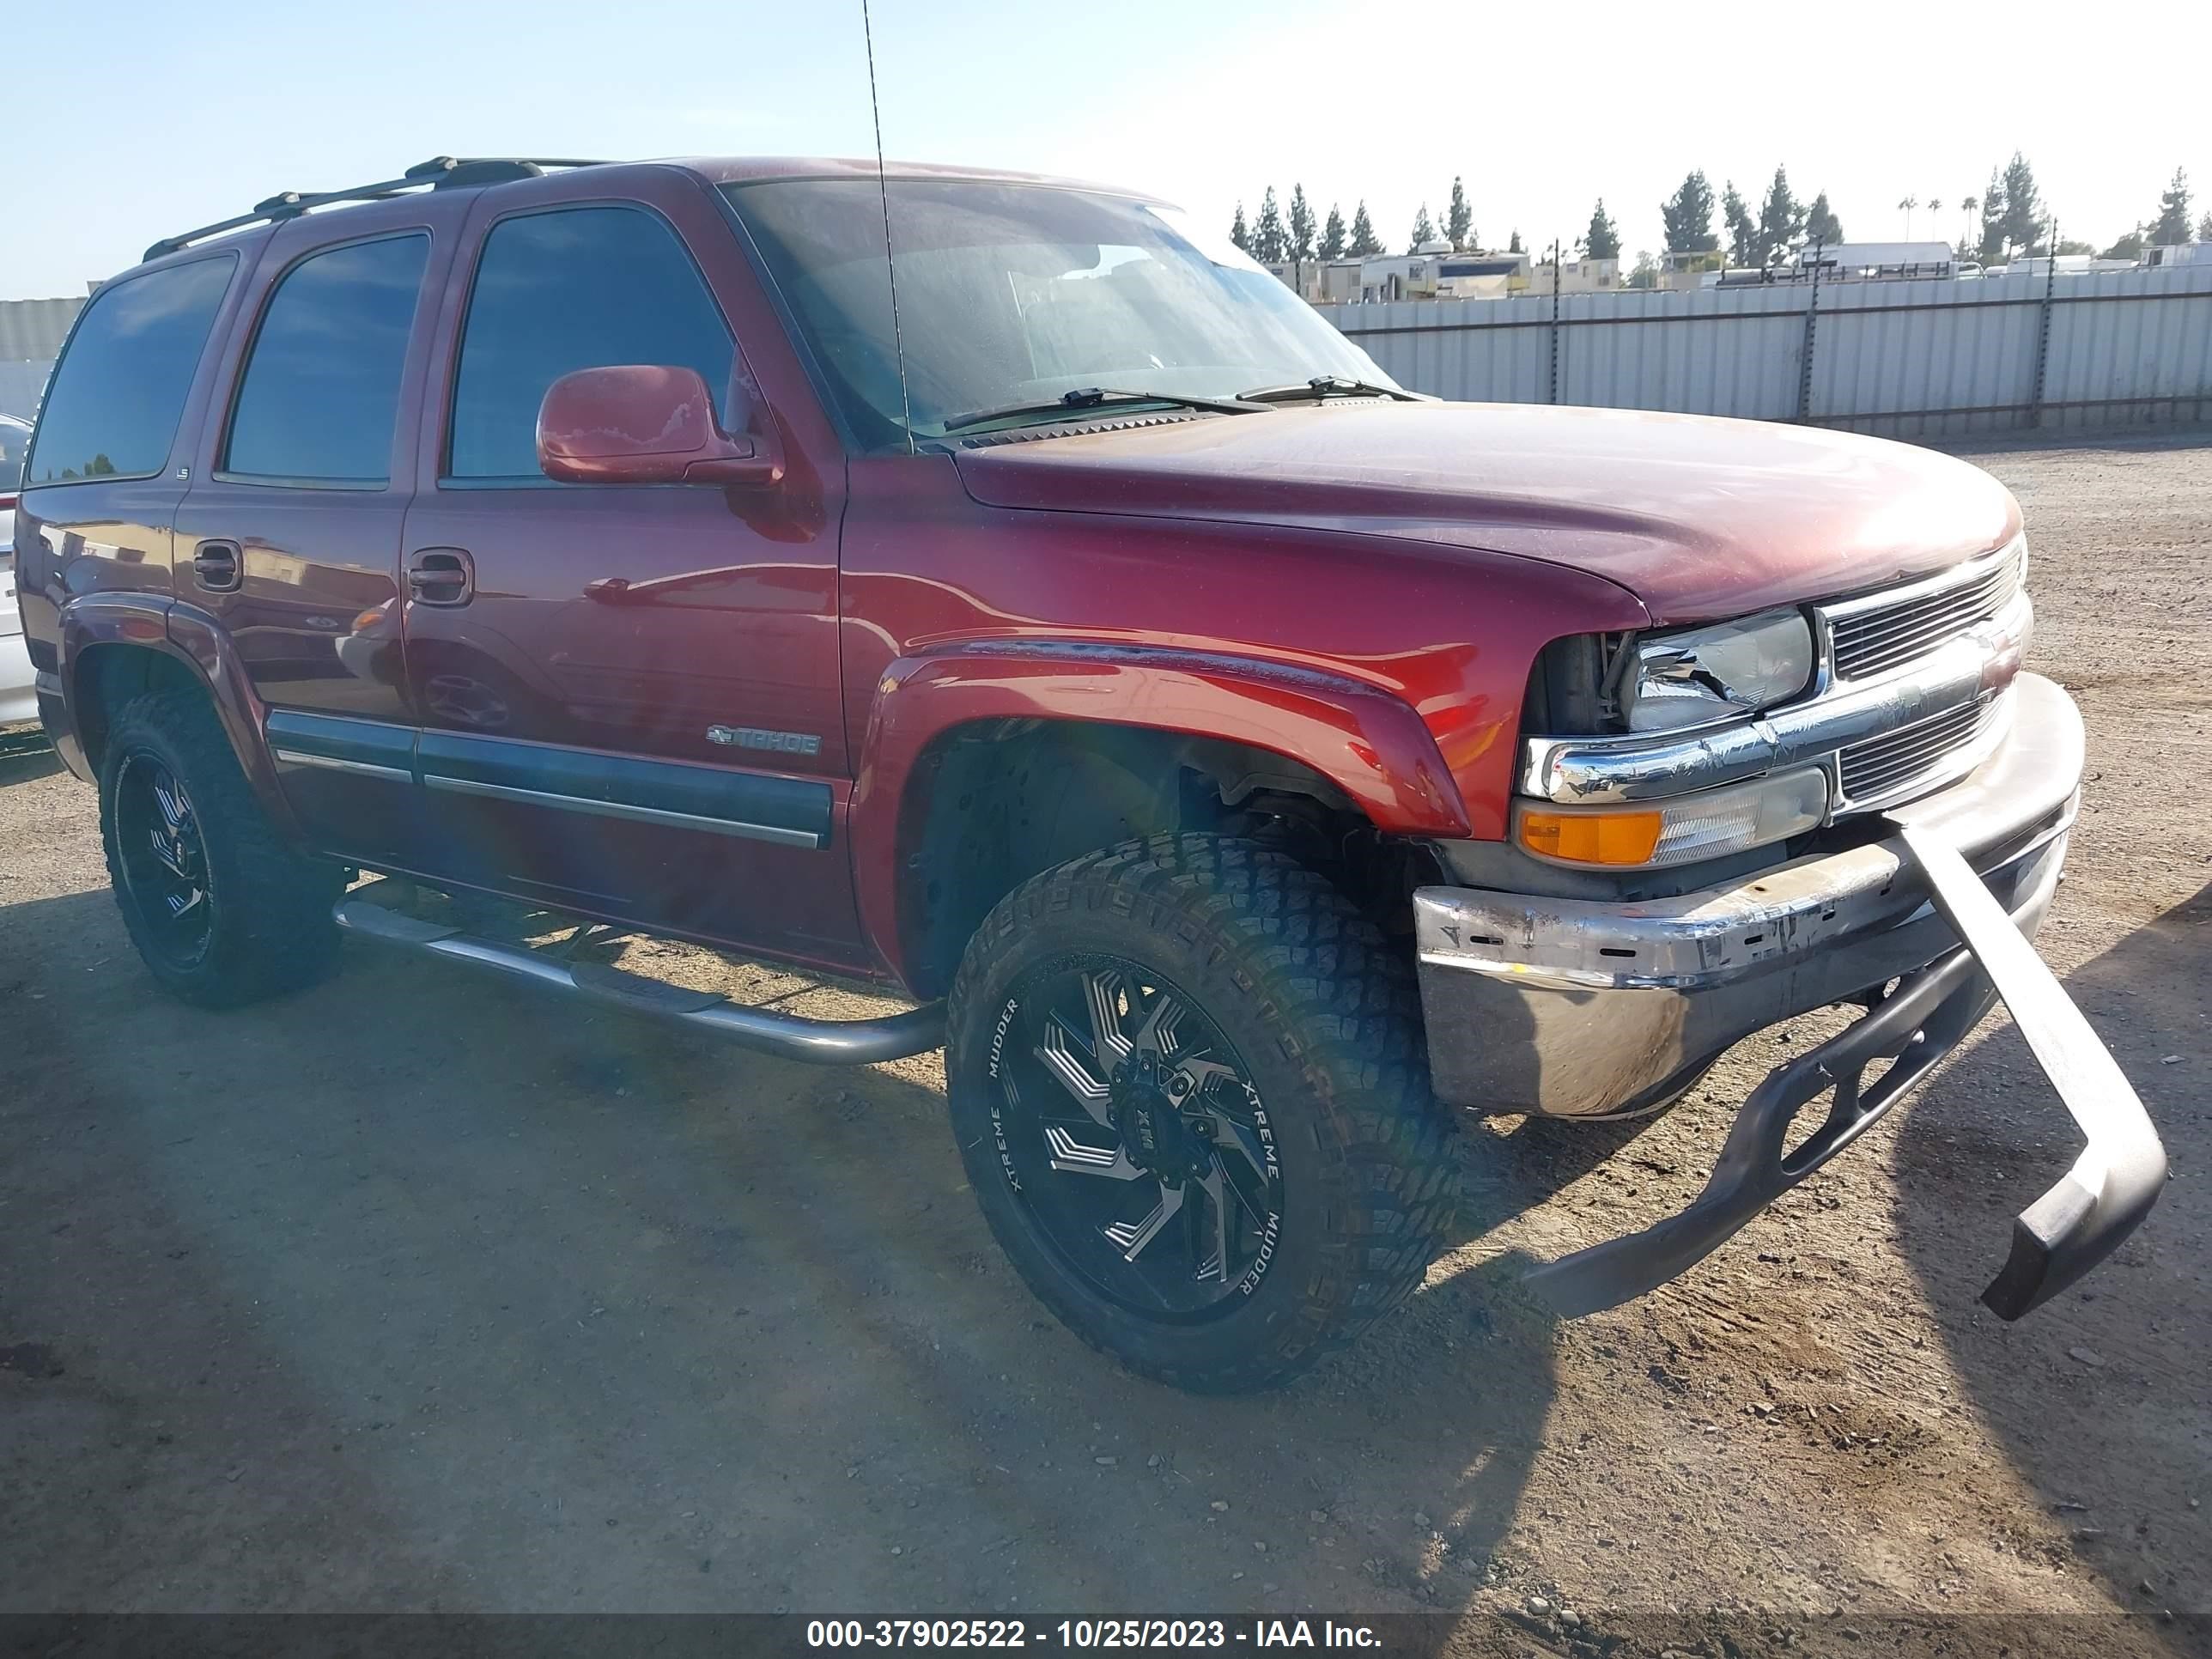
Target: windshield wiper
(1095, 397)
(1327, 386)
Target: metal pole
(1812, 330)
(2043, 332)
(1555, 319)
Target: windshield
(1012, 294)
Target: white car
(17, 701)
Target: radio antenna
(883, 190)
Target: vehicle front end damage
(1890, 837)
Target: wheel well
(106, 676)
(992, 803)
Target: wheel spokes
(1056, 1049)
(1074, 1157)
(1214, 1186)
(176, 812)
(1102, 992)
(1130, 1237)
(1158, 1033)
(1234, 1137)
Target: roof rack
(439, 172)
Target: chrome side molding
(817, 1041)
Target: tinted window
(14, 440)
(584, 287)
(322, 388)
(114, 407)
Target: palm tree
(1908, 204)
(1968, 207)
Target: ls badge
(754, 737)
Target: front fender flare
(1371, 745)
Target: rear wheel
(1187, 1080)
(222, 909)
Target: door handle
(217, 566)
(441, 576)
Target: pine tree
(1332, 234)
(1602, 239)
(1365, 244)
(1425, 229)
(1269, 246)
(2023, 206)
(1991, 243)
(2171, 226)
(2204, 229)
(2130, 247)
(1459, 218)
(1689, 216)
(1781, 221)
(1821, 224)
(1514, 246)
(1742, 234)
(1302, 224)
(1238, 232)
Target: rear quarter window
(119, 392)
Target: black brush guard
(2059, 1237)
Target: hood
(1698, 518)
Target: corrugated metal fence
(31, 334)
(1904, 359)
(34, 329)
(21, 385)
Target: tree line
(1277, 238)
(2007, 218)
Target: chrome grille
(1886, 768)
(1869, 635)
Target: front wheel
(1187, 1083)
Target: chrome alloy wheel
(1129, 1130)
(164, 860)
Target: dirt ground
(420, 1292)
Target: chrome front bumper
(1578, 1008)
(1586, 1009)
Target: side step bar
(819, 1042)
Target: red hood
(1699, 518)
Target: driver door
(628, 693)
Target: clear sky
(138, 119)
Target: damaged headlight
(1721, 672)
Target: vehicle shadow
(25, 754)
(552, 1307)
(2098, 1395)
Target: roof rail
(439, 172)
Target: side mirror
(638, 423)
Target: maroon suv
(1242, 763)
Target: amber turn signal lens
(1592, 837)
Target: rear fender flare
(1371, 745)
(189, 636)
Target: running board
(818, 1041)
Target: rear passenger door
(629, 694)
(289, 534)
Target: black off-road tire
(1325, 1016)
(269, 931)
